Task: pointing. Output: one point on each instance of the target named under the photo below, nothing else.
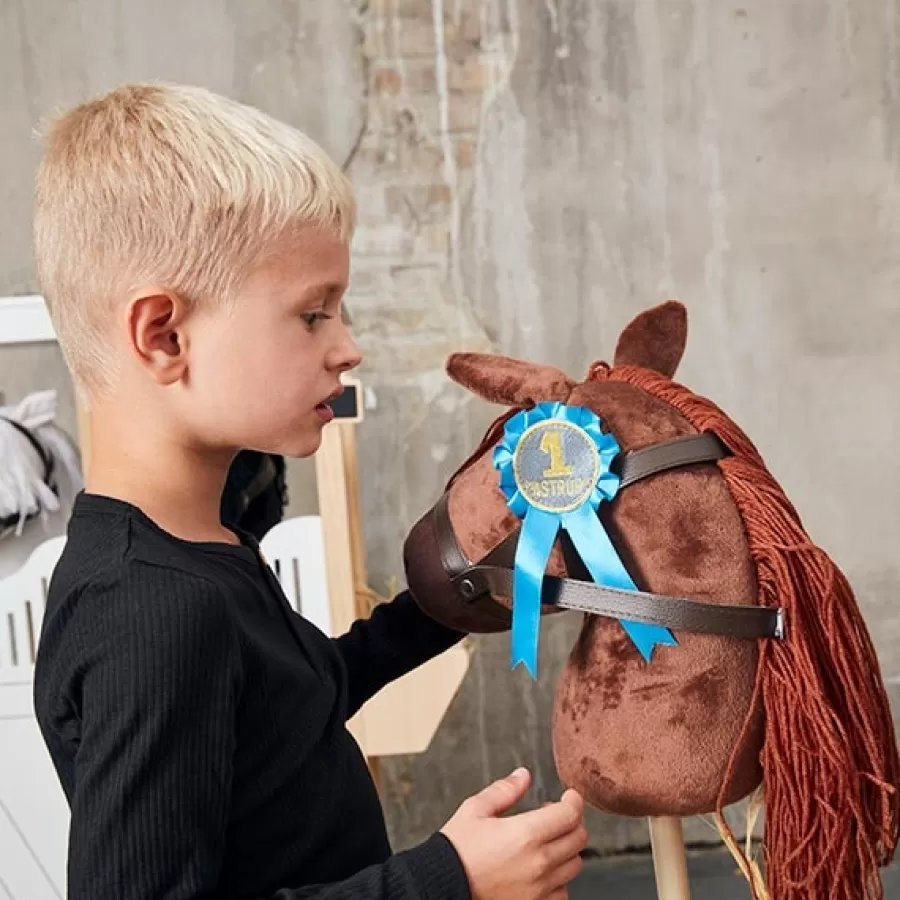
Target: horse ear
(655, 339)
(512, 382)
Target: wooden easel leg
(337, 480)
(669, 858)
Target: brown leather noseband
(493, 574)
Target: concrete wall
(531, 176)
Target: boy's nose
(345, 356)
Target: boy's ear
(511, 382)
(156, 336)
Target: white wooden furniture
(295, 550)
(25, 320)
(34, 816)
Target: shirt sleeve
(431, 871)
(397, 638)
(157, 682)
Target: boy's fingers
(551, 822)
(573, 799)
(562, 875)
(566, 847)
(502, 795)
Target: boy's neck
(179, 488)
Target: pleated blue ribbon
(554, 463)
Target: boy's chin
(302, 445)
(301, 440)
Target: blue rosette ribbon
(554, 463)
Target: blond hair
(173, 186)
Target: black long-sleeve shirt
(197, 724)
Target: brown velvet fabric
(655, 339)
(637, 739)
(500, 379)
(656, 739)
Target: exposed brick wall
(412, 170)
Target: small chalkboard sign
(348, 407)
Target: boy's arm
(397, 638)
(431, 871)
(158, 685)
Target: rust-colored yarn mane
(830, 758)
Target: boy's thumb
(503, 794)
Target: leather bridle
(493, 574)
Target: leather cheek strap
(677, 613)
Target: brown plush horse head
(771, 678)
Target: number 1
(551, 443)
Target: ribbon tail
(600, 557)
(539, 530)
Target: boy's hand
(531, 856)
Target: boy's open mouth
(325, 412)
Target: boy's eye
(313, 317)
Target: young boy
(194, 255)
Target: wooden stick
(669, 858)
